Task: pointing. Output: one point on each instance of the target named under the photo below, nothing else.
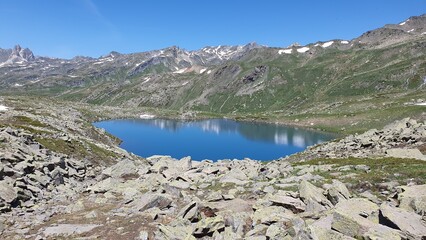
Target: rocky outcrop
(257, 73)
(399, 139)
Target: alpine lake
(212, 139)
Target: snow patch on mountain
(327, 44)
(286, 51)
(104, 60)
(180, 70)
(303, 49)
(146, 80)
(344, 42)
(403, 23)
(147, 116)
(3, 108)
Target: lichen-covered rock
(123, 168)
(337, 192)
(410, 223)
(413, 198)
(272, 214)
(148, 201)
(190, 212)
(208, 226)
(314, 197)
(359, 218)
(293, 204)
(7, 193)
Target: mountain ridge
(267, 82)
(418, 27)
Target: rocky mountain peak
(252, 45)
(24, 53)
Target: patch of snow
(203, 70)
(72, 76)
(286, 51)
(209, 71)
(423, 33)
(45, 68)
(18, 85)
(183, 84)
(3, 108)
(410, 30)
(104, 60)
(146, 80)
(344, 42)
(180, 70)
(35, 81)
(403, 23)
(147, 116)
(420, 104)
(316, 45)
(137, 64)
(303, 49)
(327, 44)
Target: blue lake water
(210, 139)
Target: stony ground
(61, 178)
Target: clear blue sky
(66, 28)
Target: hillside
(363, 79)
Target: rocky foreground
(363, 186)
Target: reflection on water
(277, 134)
(210, 139)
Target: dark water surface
(210, 139)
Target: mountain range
(233, 79)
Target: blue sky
(67, 28)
